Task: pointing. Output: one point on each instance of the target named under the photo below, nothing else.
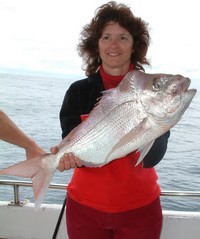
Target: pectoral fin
(144, 151)
(129, 142)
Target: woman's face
(115, 49)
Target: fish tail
(36, 169)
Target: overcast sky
(42, 35)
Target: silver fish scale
(99, 141)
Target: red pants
(87, 223)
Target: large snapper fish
(127, 118)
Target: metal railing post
(16, 195)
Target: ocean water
(33, 103)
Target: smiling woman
(112, 44)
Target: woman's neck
(116, 71)
(111, 81)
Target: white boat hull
(26, 223)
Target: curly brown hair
(91, 33)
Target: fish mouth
(182, 94)
(181, 97)
(181, 86)
(186, 84)
(185, 88)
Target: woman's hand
(68, 161)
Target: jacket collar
(96, 79)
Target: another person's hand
(33, 151)
(68, 161)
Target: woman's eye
(105, 38)
(124, 38)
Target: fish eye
(157, 85)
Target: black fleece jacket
(80, 99)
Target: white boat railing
(17, 183)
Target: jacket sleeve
(79, 99)
(157, 151)
(70, 111)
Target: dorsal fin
(128, 82)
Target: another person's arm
(9, 132)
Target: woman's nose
(114, 42)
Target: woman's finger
(68, 161)
(61, 165)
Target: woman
(118, 200)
